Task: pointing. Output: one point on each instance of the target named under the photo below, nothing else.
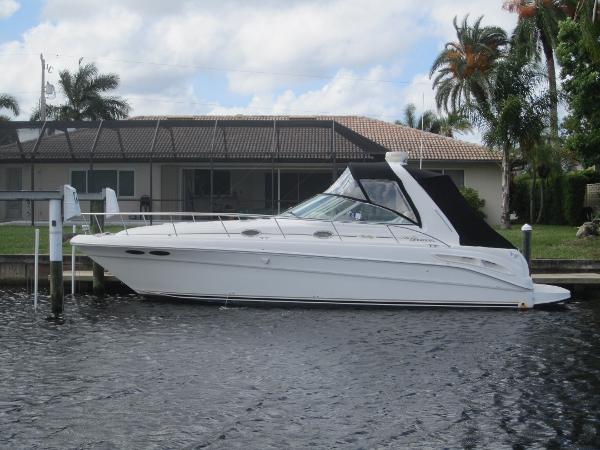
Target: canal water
(125, 372)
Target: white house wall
(247, 179)
(485, 178)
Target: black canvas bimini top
(471, 228)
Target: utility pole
(43, 93)
(422, 130)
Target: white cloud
(261, 48)
(8, 8)
(346, 94)
(442, 12)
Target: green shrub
(564, 195)
(473, 199)
(553, 201)
(574, 186)
(519, 197)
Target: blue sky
(239, 56)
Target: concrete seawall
(565, 265)
(18, 270)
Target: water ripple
(124, 372)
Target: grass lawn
(17, 239)
(555, 241)
(549, 241)
(20, 239)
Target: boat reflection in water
(382, 234)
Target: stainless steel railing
(170, 216)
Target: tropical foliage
(496, 88)
(8, 136)
(580, 73)
(474, 200)
(446, 125)
(535, 35)
(460, 72)
(85, 91)
(508, 89)
(10, 103)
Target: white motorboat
(382, 234)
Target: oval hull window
(250, 232)
(134, 252)
(159, 253)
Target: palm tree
(514, 117)
(433, 123)
(428, 121)
(494, 90)
(454, 122)
(534, 35)
(8, 102)
(8, 136)
(463, 66)
(85, 90)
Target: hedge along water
(564, 196)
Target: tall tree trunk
(531, 197)
(552, 90)
(505, 219)
(540, 212)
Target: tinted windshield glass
(332, 207)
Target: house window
(121, 181)
(126, 188)
(458, 176)
(221, 182)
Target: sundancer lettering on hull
(381, 235)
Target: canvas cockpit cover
(471, 228)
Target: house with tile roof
(238, 163)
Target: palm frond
(84, 90)
(9, 102)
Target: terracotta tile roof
(195, 137)
(187, 142)
(389, 135)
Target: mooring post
(36, 264)
(56, 257)
(97, 226)
(527, 229)
(73, 264)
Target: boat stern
(544, 294)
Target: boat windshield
(380, 192)
(343, 209)
(347, 186)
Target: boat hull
(326, 273)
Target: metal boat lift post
(55, 236)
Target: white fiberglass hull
(300, 270)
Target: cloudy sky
(302, 57)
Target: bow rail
(192, 217)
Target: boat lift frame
(55, 227)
